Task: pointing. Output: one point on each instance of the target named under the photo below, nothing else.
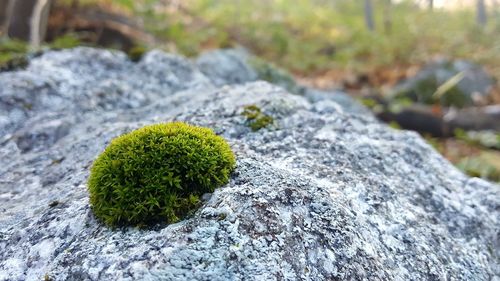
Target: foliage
(487, 139)
(314, 35)
(66, 41)
(371, 103)
(306, 36)
(157, 174)
(255, 118)
(480, 166)
(471, 154)
(135, 53)
(395, 125)
(12, 54)
(434, 142)
(12, 46)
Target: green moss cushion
(157, 173)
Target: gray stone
(325, 99)
(228, 66)
(473, 89)
(42, 133)
(328, 193)
(93, 79)
(236, 66)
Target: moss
(368, 102)
(13, 46)
(157, 174)
(255, 118)
(66, 41)
(13, 54)
(395, 125)
(12, 62)
(135, 53)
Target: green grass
(314, 36)
(486, 165)
(475, 153)
(14, 53)
(11, 51)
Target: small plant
(480, 166)
(135, 53)
(486, 139)
(255, 118)
(15, 54)
(12, 54)
(66, 41)
(157, 174)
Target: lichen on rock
(255, 118)
(330, 194)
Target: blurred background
(431, 66)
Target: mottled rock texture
(471, 84)
(326, 192)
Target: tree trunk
(19, 25)
(481, 17)
(3, 13)
(431, 5)
(424, 119)
(388, 17)
(39, 21)
(369, 15)
(496, 9)
(25, 19)
(6, 7)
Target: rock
(236, 66)
(61, 82)
(37, 135)
(324, 99)
(327, 193)
(227, 66)
(473, 89)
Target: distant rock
(236, 66)
(325, 193)
(228, 66)
(472, 89)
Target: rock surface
(236, 66)
(472, 88)
(326, 193)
